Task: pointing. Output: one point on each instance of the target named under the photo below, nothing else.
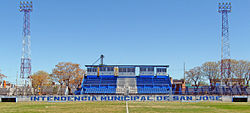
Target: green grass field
(120, 107)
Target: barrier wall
(77, 98)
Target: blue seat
(153, 84)
(99, 85)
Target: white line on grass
(127, 106)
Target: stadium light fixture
(26, 6)
(225, 7)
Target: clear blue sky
(125, 31)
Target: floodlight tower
(26, 7)
(224, 9)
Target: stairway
(126, 86)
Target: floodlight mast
(26, 7)
(224, 9)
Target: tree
(195, 76)
(240, 69)
(2, 76)
(211, 71)
(68, 74)
(40, 79)
(247, 75)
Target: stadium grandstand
(125, 79)
(144, 79)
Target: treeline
(65, 75)
(209, 71)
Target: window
(142, 69)
(110, 69)
(102, 68)
(130, 69)
(91, 69)
(122, 69)
(161, 70)
(151, 69)
(88, 69)
(133, 69)
(94, 70)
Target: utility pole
(16, 82)
(184, 69)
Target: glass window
(110, 69)
(122, 69)
(164, 70)
(94, 70)
(131, 70)
(88, 70)
(161, 70)
(151, 69)
(142, 69)
(102, 68)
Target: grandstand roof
(126, 65)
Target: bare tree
(195, 76)
(211, 71)
(240, 70)
(247, 74)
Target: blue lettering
(49, 98)
(70, 98)
(148, 98)
(78, 98)
(122, 98)
(56, 98)
(182, 98)
(166, 98)
(84, 98)
(103, 98)
(143, 98)
(205, 97)
(136, 97)
(63, 98)
(189, 97)
(175, 97)
(131, 97)
(108, 98)
(218, 97)
(94, 98)
(36, 98)
(211, 97)
(117, 98)
(199, 98)
(43, 98)
(126, 98)
(159, 98)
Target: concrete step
(126, 85)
